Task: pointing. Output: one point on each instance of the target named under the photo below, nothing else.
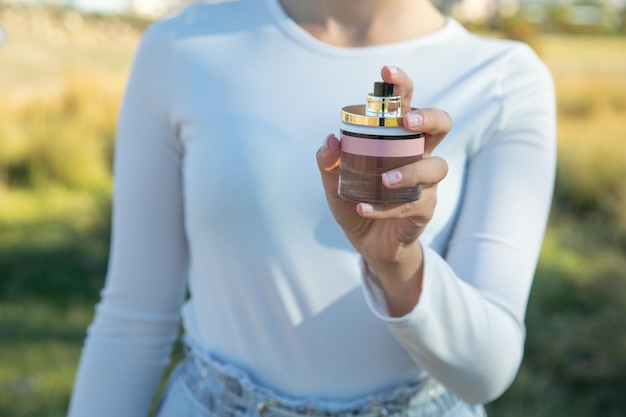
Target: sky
(101, 6)
(104, 6)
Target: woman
(299, 302)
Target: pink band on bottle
(382, 147)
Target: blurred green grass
(62, 75)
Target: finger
(328, 163)
(434, 123)
(421, 210)
(425, 172)
(328, 154)
(402, 84)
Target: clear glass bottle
(374, 141)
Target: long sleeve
(130, 340)
(467, 329)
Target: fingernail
(414, 119)
(365, 208)
(392, 177)
(325, 143)
(393, 70)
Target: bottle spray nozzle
(383, 89)
(382, 102)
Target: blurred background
(63, 66)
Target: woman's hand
(386, 235)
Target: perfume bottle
(374, 141)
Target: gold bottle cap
(382, 108)
(356, 115)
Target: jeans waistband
(238, 395)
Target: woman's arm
(462, 318)
(130, 340)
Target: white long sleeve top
(218, 195)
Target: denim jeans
(200, 388)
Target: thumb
(328, 164)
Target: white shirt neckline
(296, 32)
